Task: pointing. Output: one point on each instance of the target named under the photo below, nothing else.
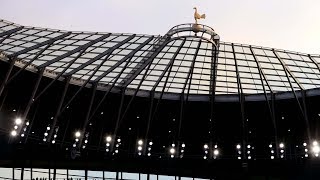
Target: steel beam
(31, 100)
(29, 62)
(101, 55)
(96, 69)
(55, 119)
(78, 49)
(314, 61)
(146, 62)
(270, 107)
(128, 56)
(4, 82)
(241, 100)
(8, 33)
(61, 73)
(302, 109)
(287, 70)
(188, 78)
(16, 54)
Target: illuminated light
(116, 151)
(204, 157)
(304, 144)
(282, 151)
(239, 152)
(182, 151)
(239, 157)
(108, 144)
(74, 145)
(150, 143)
(55, 136)
(119, 140)
(13, 133)
(169, 131)
(306, 155)
(24, 129)
(45, 134)
(149, 154)
(249, 157)
(248, 152)
(281, 145)
(206, 152)
(282, 156)
(215, 146)
(248, 146)
(216, 152)
(139, 148)
(44, 139)
(27, 123)
(315, 143)
(183, 145)
(77, 134)
(238, 146)
(316, 149)
(14, 110)
(139, 153)
(272, 157)
(270, 146)
(83, 147)
(306, 150)
(15, 127)
(117, 145)
(22, 135)
(53, 141)
(138, 117)
(48, 128)
(140, 142)
(272, 151)
(316, 155)
(86, 141)
(172, 156)
(107, 150)
(149, 149)
(77, 139)
(206, 146)
(172, 150)
(173, 145)
(109, 139)
(18, 121)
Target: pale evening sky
(285, 24)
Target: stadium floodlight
(108, 138)
(77, 134)
(18, 121)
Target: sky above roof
(286, 24)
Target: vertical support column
(26, 111)
(241, 100)
(4, 82)
(55, 119)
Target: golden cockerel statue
(198, 16)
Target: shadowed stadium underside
(188, 60)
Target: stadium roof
(171, 63)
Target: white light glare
(315, 143)
(18, 121)
(172, 150)
(45, 134)
(304, 144)
(216, 152)
(139, 148)
(281, 145)
(206, 146)
(77, 134)
(272, 157)
(316, 149)
(249, 146)
(108, 138)
(150, 143)
(270, 145)
(13, 133)
(183, 145)
(140, 142)
(48, 128)
(238, 146)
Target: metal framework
(79, 55)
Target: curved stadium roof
(183, 64)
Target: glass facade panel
(5, 173)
